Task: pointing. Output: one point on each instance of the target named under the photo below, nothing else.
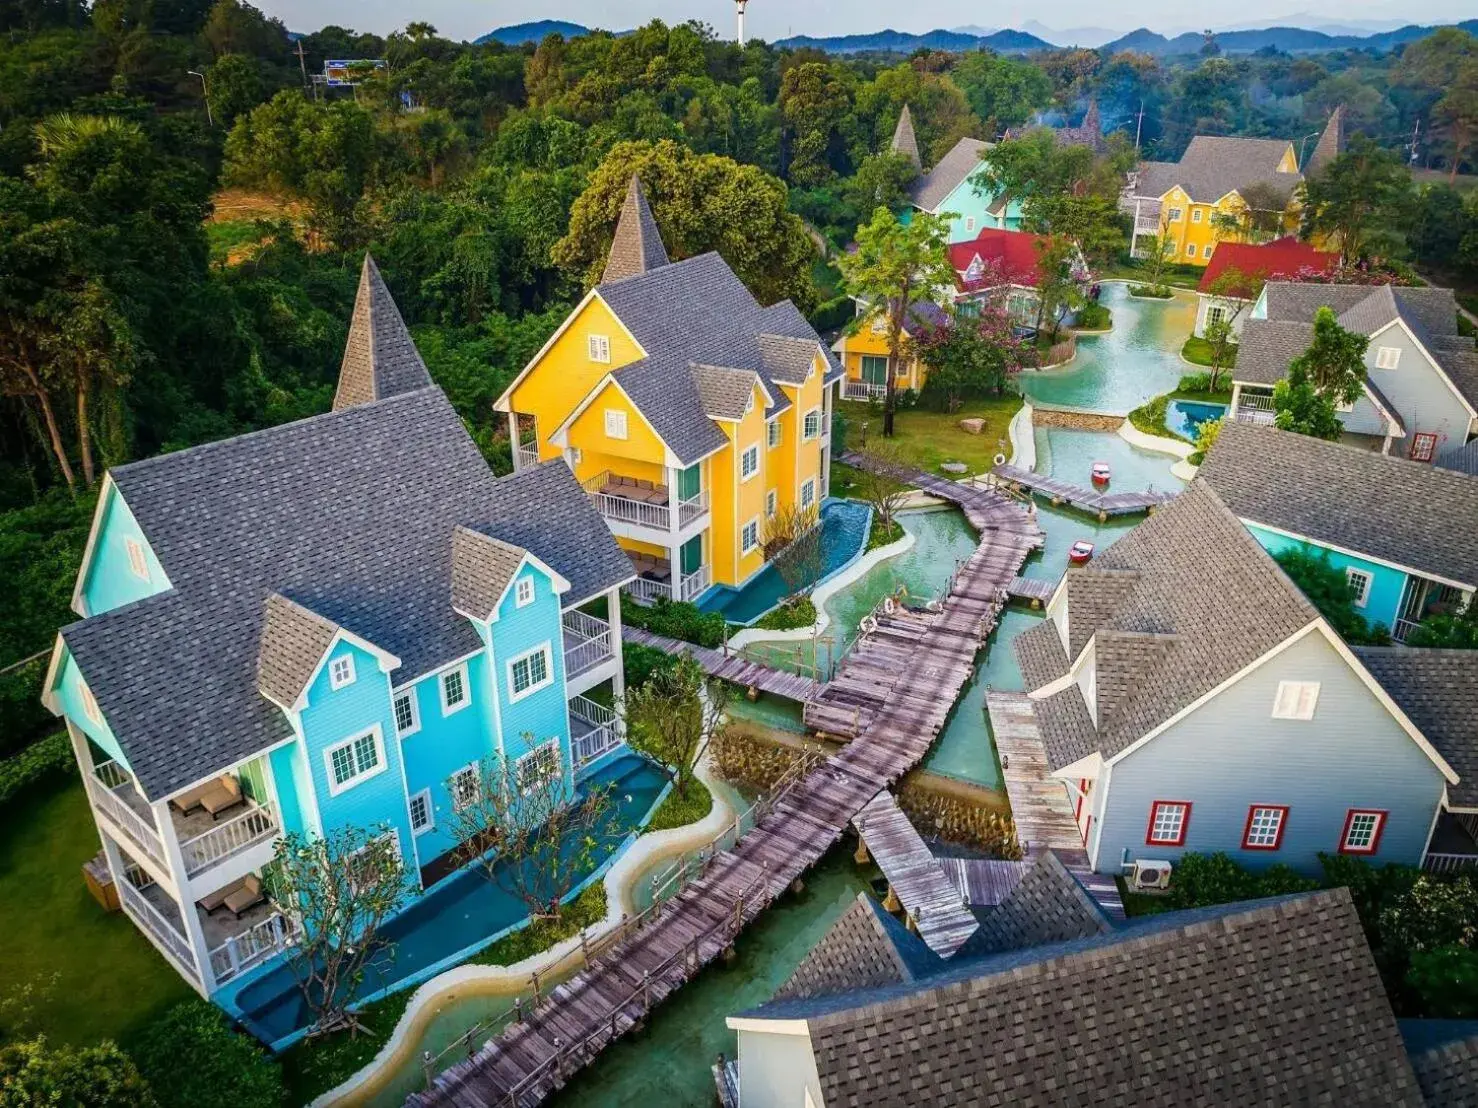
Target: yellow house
(1213, 178)
(864, 354)
(691, 414)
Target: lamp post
(204, 91)
(739, 4)
(1301, 144)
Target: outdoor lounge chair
(237, 896)
(186, 803)
(222, 796)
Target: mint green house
(958, 185)
(335, 622)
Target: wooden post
(584, 949)
(518, 1009)
(891, 902)
(426, 1060)
(646, 992)
(861, 856)
(535, 976)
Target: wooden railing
(141, 832)
(152, 921)
(587, 642)
(257, 824)
(257, 943)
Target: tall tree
(1335, 359)
(897, 265)
(673, 718)
(1233, 292)
(1353, 197)
(977, 354)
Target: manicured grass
(878, 535)
(925, 439)
(679, 811)
(1180, 276)
(93, 975)
(1198, 350)
(799, 612)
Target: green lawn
(1177, 276)
(1198, 350)
(93, 975)
(925, 438)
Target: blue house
(1400, 531)
(330, 623)
(959, 184)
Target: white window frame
(137, 562)
(1361, 590)
(745, 546)
(1215, 315)
(807, 433)
(772, 504)
(772, 433)
(534, 754)
(360, 776)
(749, 469)
(1296, 700)
(448, 708)
(616, 427)
(969, 223)
(424, 796)
(598, 348)
(454, 789)
(749, 403)
(523, 592)
(89, 703)
(1195, 215)
(808, 492)
(1190, 250)
(514, 695)
(1175, 215)
(341, 671)
(1387, 357)
(410, 697)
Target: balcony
(1255, 407)
(525, 455)
(238, 944)
(654, 580)
(862, 390)
(587, 643)
(1453, 848)
(158, 916)
(594, 730)
(111, 790)
(226, 838)
(643, 503)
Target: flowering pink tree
(976, 353)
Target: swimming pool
(1184, 416)
(844, 526)
(458, 918)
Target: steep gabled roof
(1331, 142)
(1283, 257)
(1006, 256)
(637, 245)
(380, 358)
(293, 642)
(934, 187)
(1213, 166)
(864, 948)
(724, 393)
(482, 569)
(1358, 500)
(1438, 691)
(1047, 906)
(904, 142)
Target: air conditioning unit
(1150, 875)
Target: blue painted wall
(1382, 603)
(971, 209)
(334, 715)
(68, 690)
(544, 714)
(110, 581)
(290, 779)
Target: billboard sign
(347, 72)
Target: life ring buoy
(869, 625)
(1000, 459)
(890, 606)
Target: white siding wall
(1230, 754)
(776, 1070)
(1420, 395)
(1204, 304)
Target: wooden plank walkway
(572, 1024)
(1076, 496)
(733, 668)
(932, 902)
(1044, 819)
(1026, 588)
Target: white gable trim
(559, 584)
(768, 1027)
(1090, 765)
(560, 436)
(53, 672)
(1435, 365)
(1359, 554)
(384, 658)
(504, 403)
(109, 490)
(1322, 627)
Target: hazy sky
(771, 19)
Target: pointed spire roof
(904, 140)
(1092, 122)
(380, 358)
(1331, 142)
(637, 246)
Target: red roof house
(1282, 258)
(994, 258)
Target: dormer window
(1387, 357)
(136, 560)
(90, 704)
(341, 672)
(524, 592)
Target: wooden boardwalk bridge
(1104, 504)
(572, 1024)
(1027, 588)
(731, 667)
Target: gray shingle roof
(1213, 166)
(931, 190)
(482, 568)
(1150, 1013)
(864, 948)
(1331, 142)
(349, 514)
(1268, 347)
(292, 644)
(1444, 1054)
(695, 311)
(788, 360)
(1047, 906)
(1438, 690)
(636, 246)
(724, 393)
(904, 141)
(1066, 727)
(1093, 593)
(380, 359)
(1040, 655)
(1388, 508)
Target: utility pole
(1138, 127)
(1415, 131)
(205, 91)
(739, 4)
(302, 63)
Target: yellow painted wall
(868, 341)
(795, 460)
(564, 376)
(1194, 227)
(641, 454)
(735, 502)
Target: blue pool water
(844, 525)
(465, 913)
(1184, 416)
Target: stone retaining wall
(1081, 421)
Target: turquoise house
(958, 184)
(338, 622)
(1397, 529)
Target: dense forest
(183, 209)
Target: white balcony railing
(139, 831)
(644, 507)
(587, 643)
(694, 584)
(690, 509)
(152, 920)
(256, 825)
(1449, 863)
(689, 587)
(603, 734)
(862, 390)
(525, 456)
(111, 774)
(644, 588)
(1403, 628)
(253, 946)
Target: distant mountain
(520, 33)
(1289, 40)
(1089, 37)
(901, 42)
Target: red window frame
(1252, 810)
(1423, 446)
(1380, 829)
(1185, 822)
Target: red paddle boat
(1080, 552)
(1100, 473)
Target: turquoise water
(1184, 416)
(844, 525)
(461, 914)
(1070, 454)
(1137, 360)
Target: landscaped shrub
(1159, 292)
(35, 1074)
(642, 662)
(23, 718)
(799, 612)
(1094, 317)
(1444, 982)
(191, 1057)
(1204, 879)
(51, 758)
(1201, 382)
(676, 619)
(1329, 590)
(1149, 418)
